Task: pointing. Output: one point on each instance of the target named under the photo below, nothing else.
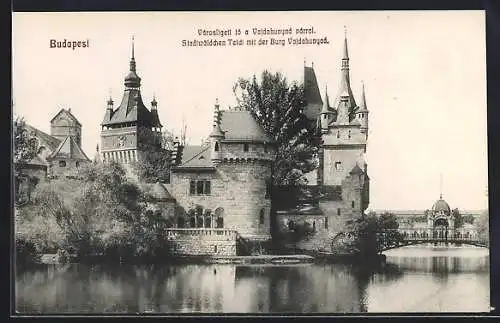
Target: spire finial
(441, 186)
(312, 64)
(97, 148)
(304, 62)
(346, 53)
(133, 47)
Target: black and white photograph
(265, 162)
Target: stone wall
(71, 169)
(201, 242)
(238, 191)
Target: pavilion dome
(441, 206)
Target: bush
(26, 252)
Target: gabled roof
(45, 139)
(69, 149)
(131, 109)
(240, 125)
(161, 193)
(37, 160)
(195, 157)
(68, 113)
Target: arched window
(208, 219)
(192, 222)
(314, 225)
(219, 215)
(338, 134)
(180, 222)
(77, 164)
(352, 204)
(216, 148)
(261, 216)
(62, 163)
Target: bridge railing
(435, 235)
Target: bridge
(391, 239)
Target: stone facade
(201, 242)
(238, 194)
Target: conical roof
(160, 193)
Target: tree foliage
(457, 218)
(24, 151)
(154, 159)
(277, 105)
(374, 233)
(481, 224)
(101, 214)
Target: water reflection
(404, 283)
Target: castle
(341, 181)
(222, 185)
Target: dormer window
(62, 163)
(245, 147)
(216, 148)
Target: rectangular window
(337, 165)
(338, 211)
(207, 187)
(201, 187)
(326, 223)
(192, 187)
(245, 147)
(352, 204)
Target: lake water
(414, 279)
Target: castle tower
(65, 124)
(344, 142)
(131, 128)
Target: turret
(216, 136)
(362, 113)
(326, 113)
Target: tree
(481, 224)
(277, 106)
(373, 233)
(154, 160)
(24, 151)
(458, 219)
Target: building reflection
(311, 288)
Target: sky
(424, 74)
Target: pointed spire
(133, 48)
(97, 157)
(132, 59)
(440, 186)
(132, 80)
(362, 104)
(110, 103)
(154, 103)
(326, 102)
(217, 131)
(346, 52)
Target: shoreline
(289, 259)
